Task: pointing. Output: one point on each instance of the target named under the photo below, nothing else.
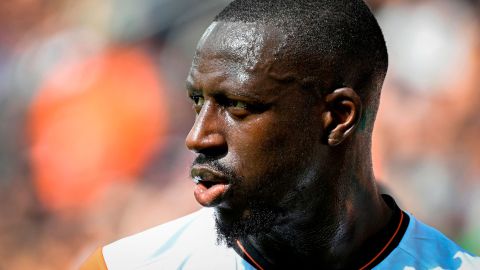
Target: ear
(343, 109)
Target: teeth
(197, 179)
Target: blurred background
(93, 116)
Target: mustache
(215, 164)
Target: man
(286, 94)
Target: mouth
(210, 186)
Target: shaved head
(329, 43)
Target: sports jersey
(191, 243)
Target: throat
(296, 250)
(278, 256)
(283, 248)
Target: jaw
(234, 224)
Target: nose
(206, 136)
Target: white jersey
(191, 243)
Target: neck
(309, 237)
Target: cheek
(256, 140)
(262, 145)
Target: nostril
(206, 142)
(215, 152)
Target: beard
(252, 211)
(255, 210)
(255, 220)
(262, 204)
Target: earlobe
(342, 114)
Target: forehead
(238, 55)
(245, 44)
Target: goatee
(234, 225)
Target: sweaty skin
(246, 119)
(263, 140)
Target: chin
(239, 223)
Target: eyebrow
(192, 89)
(226, 93)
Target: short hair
(340, 37)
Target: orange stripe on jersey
(248, 255)
(389, 241)
(95, 261)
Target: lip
(210, 185)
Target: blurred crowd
(93, 115)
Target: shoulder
(168, 233)
(168, 244)
(424, 247)
(189, 242)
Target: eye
(238, 104)
(237, 108)
(198, 102)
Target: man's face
(257, 133)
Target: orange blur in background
(94, 122)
